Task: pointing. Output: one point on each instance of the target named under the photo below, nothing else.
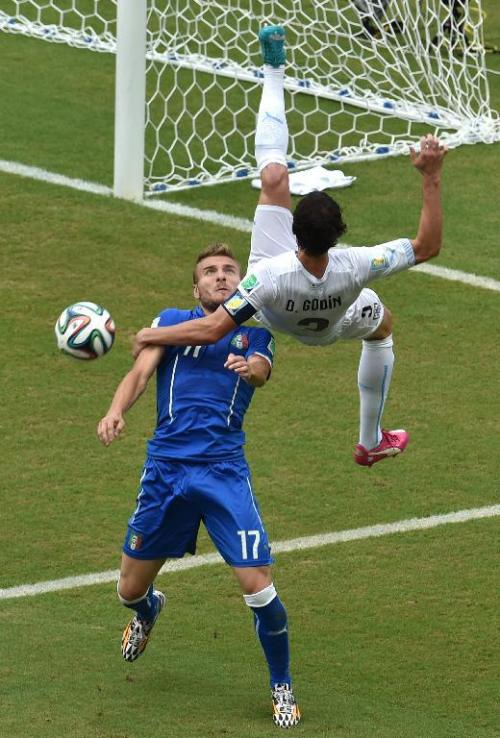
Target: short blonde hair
(214, 249)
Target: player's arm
(198, 332)
(129, 390)
(255, 370)
(429, 162)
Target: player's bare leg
(135, 591)
(271, 626)
(374, 378)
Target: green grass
(392, 637)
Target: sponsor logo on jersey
(240, 341)
(235, 303)
(134, 541)
(250, 282)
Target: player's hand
(238, 364)
(110, 427)
(429, 159)
(139, 344)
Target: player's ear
(196, 292)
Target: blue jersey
(200, 404)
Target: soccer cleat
(136, 634)
(272, 44)
(393, 443)
(286, 713)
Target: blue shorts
(173, 499)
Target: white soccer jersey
(292, 300)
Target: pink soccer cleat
(393, 443)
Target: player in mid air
(298, 284)
(196, 471)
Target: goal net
(364, 78)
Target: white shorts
(363, 317)
(272, 235)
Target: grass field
(392, 637)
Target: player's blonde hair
(214, 249)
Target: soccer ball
(85, 330)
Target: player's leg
(271, 135)
(233, 521)
(162, 526)
(369, 320)
(271, 627)
(135, 590)
(272, 231)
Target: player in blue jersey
(299, 284)
(196, 471)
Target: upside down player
(301, 286)
(196, 471)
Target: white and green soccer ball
(85, 330)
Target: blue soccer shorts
(175, 497)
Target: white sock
(374, 379)
(271, 134)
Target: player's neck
(315, 265)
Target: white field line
(295, 544)
(227, 221)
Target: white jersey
(290, 299)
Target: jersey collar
(312, 279)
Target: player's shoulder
(173, 315)
(280, 264)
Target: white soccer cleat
(286, 713)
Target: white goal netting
(365, 78)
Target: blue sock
(146, 606)
(271, 626)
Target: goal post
(364, 79)
(130, 99)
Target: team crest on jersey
(378, 263)
(250, 282)
(234, 303)
(134, 541)
(240, 341)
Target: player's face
(218, 277)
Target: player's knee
(274, 179)
(128, 590)
(385, 328)
(387, 321)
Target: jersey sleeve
(383, 260)
(254, 291)
(261, 343)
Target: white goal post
(364, 79)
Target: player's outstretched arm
(129, 390)
(429, 162)
(197, 332)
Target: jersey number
(195, 349)
(244, 534)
